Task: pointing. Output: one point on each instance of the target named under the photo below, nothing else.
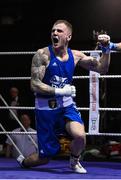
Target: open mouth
(55, 40)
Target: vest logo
(41, 151)
(57, 81)
(54, 64)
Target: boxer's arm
(91, 63)
(38, 68)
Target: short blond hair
(68, 24)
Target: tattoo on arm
(88, 63)
(39, 64)
(100, 66)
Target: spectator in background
(14, 99)
(22, 141)
(7, 119)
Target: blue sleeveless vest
(59, 73)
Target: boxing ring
(58, 169)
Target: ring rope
(9, 137)
(16, 118)
(79, 108)
(34, 133)
(15, 78)
(74, 77)
(18, 53)
(33, 52)
(100, 77)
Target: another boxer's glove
(67, 90)
(103, 43)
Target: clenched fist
(104, 39)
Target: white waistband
(43, 104)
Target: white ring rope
(34, 133)
(33, 52)
(16, 107)
(100, 77)
(74, 77)
(18, 53)
(79, 108)
(100, 109)
(15, 78)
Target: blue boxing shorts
(49, 123)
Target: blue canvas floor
(59, 169)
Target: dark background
(25, 25)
